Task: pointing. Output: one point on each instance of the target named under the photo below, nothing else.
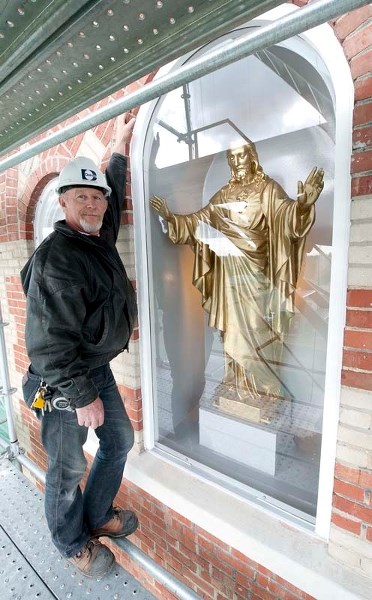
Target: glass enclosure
(239, 274)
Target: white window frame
(323, 40)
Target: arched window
(48, 211)
(283, 98)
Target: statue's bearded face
(240, 163)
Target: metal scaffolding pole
(6, 391)
(309, 16)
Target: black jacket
(81, 305)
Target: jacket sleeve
(116, 179)
(55, 313)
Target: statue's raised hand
(161, 207)
(308, 192)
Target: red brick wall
(352, 506)
(357, 361)
(8, 206)
(352, 510)
(204, 563)
(17, 307)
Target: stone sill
(292, 552)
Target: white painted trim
(332, 54)
(47, 212)
(140, 216)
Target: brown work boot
(121, 524)
(93, 560)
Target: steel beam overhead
(58, 57)
(293, 24)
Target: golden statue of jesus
(248, 243)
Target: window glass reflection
(241, 271)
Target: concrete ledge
(292, 552)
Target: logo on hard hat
(88, 175)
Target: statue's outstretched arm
(161, 207)
(309, 192)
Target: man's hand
(91, 415)
(123, 132)
(308, 192)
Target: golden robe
(248, 243)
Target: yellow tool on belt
(40, 401)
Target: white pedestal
(250, 444)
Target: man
(248, 244)
(81, 309)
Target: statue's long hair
(257, 171)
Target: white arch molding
(48, 211)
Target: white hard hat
(82, 172)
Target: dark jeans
(70, 513)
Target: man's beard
(90, 227)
